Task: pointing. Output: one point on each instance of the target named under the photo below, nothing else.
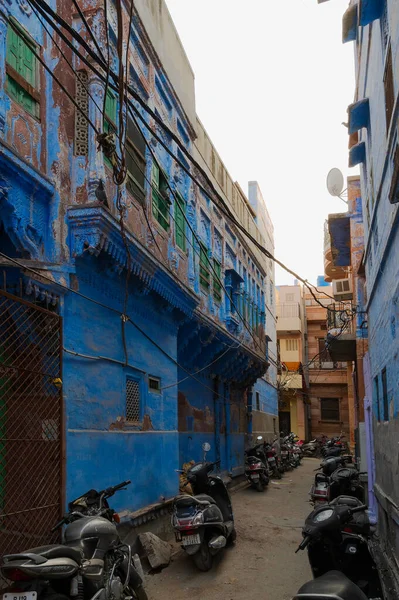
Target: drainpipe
(217, 405)
(227, 412)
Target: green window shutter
(22, 59)
(217, 286)
(13, 48)
(160, 204)
(180, 223)
(205, 276)
(155, 175)
(110, 106)
(28, 63)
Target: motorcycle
(257, 470)
(337, 537)
(321, 492)
(273, 460)
(204, 522)
(92, 563)
(334, 447)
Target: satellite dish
(335, 182)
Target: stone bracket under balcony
(201, 344)
(25, 197)
(93, 229)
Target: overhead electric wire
(224, 207)
(121, 218)
(170, 189)
(110, 308)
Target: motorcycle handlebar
(59, 524)
(114, 488)
(303, 544)
(358, 509)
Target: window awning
(357, 154)
(359, 115)
(370, 10)
(349, 24)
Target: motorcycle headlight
(323, 515)
(198, 519)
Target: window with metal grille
(21, 69)
(154, 383)
(81, 124)
(385, 394)
(329, 409)
(291, 345)
(388, 87)
(132, 400)
(160, 197)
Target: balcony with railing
(289, 317)
(331, 269)
(341, 327)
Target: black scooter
(256, 466)
(204, 523)
(337, 537)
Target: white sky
(273, 81)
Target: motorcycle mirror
(206, 447)
(259, 438)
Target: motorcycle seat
(347, 501)
(201, 499)
(53, 551)
(334, 585)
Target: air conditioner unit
(342, 289)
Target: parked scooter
(257, 470)
(204, 523)
(321, 492)
(337, 537)
(92, 563)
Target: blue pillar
(227, 412)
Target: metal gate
(30, 424)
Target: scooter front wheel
(260, 487)
(203, 559)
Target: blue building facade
(163, 321)
(372, 125)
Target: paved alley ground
(263, 564)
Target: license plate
(255, 477)
(271, 459)
(20, 596)
(190, 540)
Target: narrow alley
(263, 563)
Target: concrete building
(328, 383)
(372, 127)
(347, 319)
(293, 351)
(123, 348)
